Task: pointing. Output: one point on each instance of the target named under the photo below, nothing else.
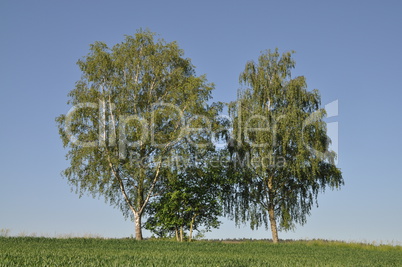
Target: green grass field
(36, 251)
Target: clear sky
(350, 50)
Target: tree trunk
(138, 228)
(272, 222)
(181, 233)
(177, 234)
(271, 211)
(190, 236)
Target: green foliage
(127, 252)
(130, 110)
(139, 107)
(280, 149)
(191, 198)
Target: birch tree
(129, 110)
(279, 146)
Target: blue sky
(350, 50)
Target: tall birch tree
(279, 147)
(129, 110)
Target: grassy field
(35, 251)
